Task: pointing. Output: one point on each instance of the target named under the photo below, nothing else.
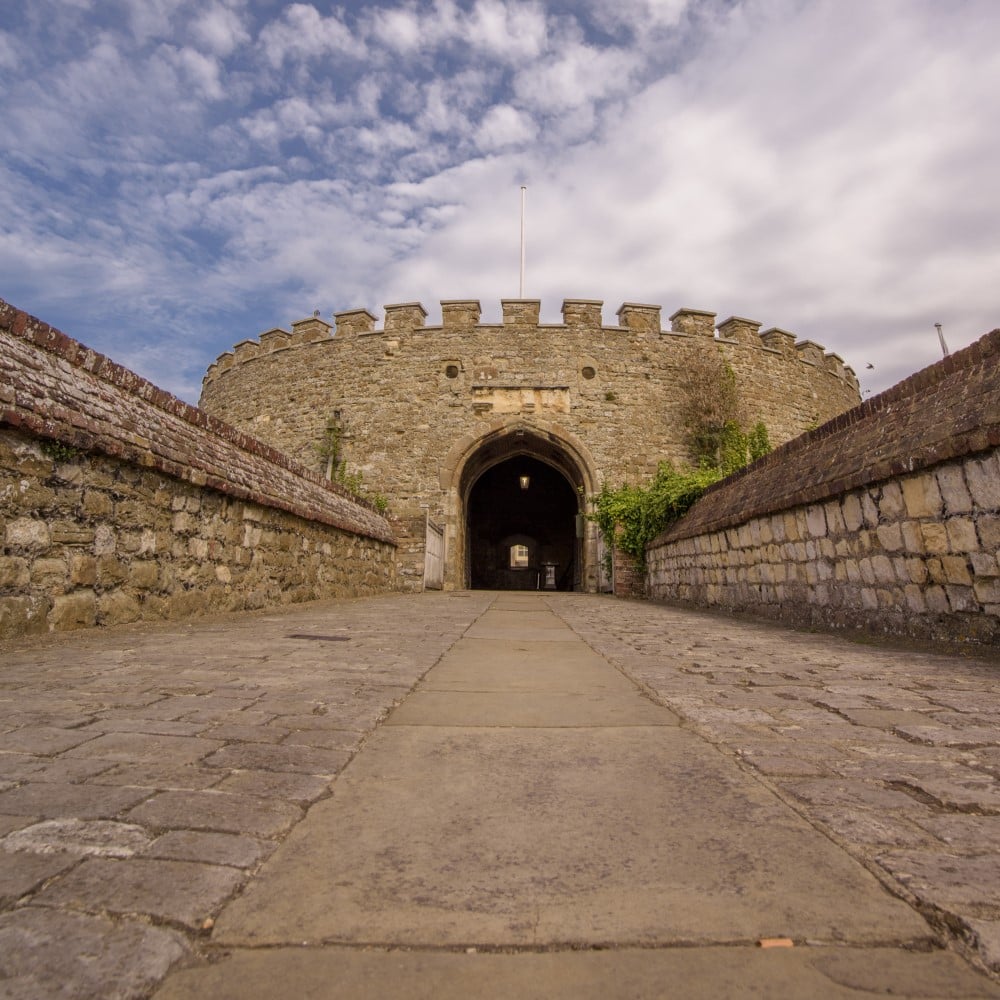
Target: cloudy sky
(179, 175)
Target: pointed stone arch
(563, 466)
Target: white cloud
(514, 31)
(305, 34)
(220, 29)
(150, 19)
(504, 126)
(578, 77)
(509, 30)
(639, 15)
(194, 70)
(400, 29)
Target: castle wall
(886, 519)
(407, 392)
(120, 503)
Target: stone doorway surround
(474, 455)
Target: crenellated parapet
(579, 316)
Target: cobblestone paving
(894, 754)
(147, 773)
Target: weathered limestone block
(582, 312)
(71, 533)
(956, 570)
(937, 600)
(816, 521)
(915, 599)
(961, 598)
(890, 502)
(50, 574)
(988, 527)
(75, 610)
(23, 615)
(743, 331)
(27, 533)
(987, 591)
(913, 538)
(954, 492)
(983, 479)
(935, 537)
(15, 573)
(921, 495)
(522, 312)
(310, 330)
(883, 569)
(118, 608)
(354, 322)
(97, 503)
(962, 534)
(853, 515)
(890, 536)
(780, 341)
(985, 564)
(695, 322)
(639, 318)
(869, 509)
(111, 570)
(82, 569)
(143, 574)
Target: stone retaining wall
(885, 519)
(119, 502)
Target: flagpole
(521, 292)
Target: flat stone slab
(144, 748)
(534, 625)
(41, 740)
(511, 666)
(210, 848)
(45, 953)
(56, 800)
(98, 837)
(464, 837)
(180, 892)
(710, 973)
(525, 709)
(23, 873)
(225, 812)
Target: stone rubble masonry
(885, 519)
(408, 394)
(120, 503)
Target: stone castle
(488, 439)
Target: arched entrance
(521, 495)
(521, 528)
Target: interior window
(518, 556)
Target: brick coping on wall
(886, 436)
(58, 411)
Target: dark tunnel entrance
(522, 528)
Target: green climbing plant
(630, 517)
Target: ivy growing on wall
(630, 517)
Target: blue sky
(179, 175)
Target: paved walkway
(569, 796)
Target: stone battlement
(463, 316)
(422, 411)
